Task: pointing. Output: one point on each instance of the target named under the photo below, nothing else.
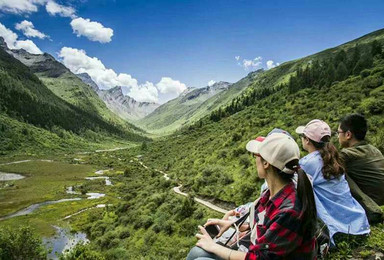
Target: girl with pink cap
(334, 203)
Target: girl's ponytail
(305, 194)
(332, 162)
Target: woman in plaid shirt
(282, 222)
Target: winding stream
(33, 207)
(63, 241)
(107, 180)
(10, 176)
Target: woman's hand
(205, 241)
(223, 225)
(229, 214)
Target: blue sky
(167, 45)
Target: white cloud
(144, 93)
(252, 64)
(78, 62)
(29, 30)
(271, 64)
(56, 9)
(20, 6)
(11, 39)
(256, 63)
(94, 31)
(168, 85)
(211, 82)
(29, 46)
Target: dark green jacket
(365, 166)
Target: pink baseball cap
(315, 130)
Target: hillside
(125, 106)
(209, 157)
(66, 85)
(279, 97)
(23, 97)
(210, 160)
(192, 105)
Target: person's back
(364, 163)
(335, 205)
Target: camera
(213, 230)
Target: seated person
(284, 218)
(364, 165)
(334, 203)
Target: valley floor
(70, 176)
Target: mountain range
(45, 106)
(122, 105)
(192, 105)
(81, 91)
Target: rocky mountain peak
(3, 44)
(88, 80)
(117, 91)
(205, 92)
(125, 106)
(220, 85)
(38, 63)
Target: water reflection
(107, 180)
(63, 241)
(34, 207)
(10, 176)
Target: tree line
(315, 74)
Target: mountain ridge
(122, 105)
(193, 105)
(66, 85)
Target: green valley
(201, 146)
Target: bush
(365, 73)
(108, 240)
(21, 243)
(373, 106)
(117, 253)
(82, 252)
(372, 82)
(244, 160)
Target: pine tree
(341, 56)
(341, 71)
(330, 73)
(376, 48)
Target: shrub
(82, 252)
(124, 233)
(365, 73)
(21, 243)
(244, 160)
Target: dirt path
(178, 191)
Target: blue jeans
(197, 253)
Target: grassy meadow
(47, 181)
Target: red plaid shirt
(278, 237)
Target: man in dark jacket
(364, 165)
